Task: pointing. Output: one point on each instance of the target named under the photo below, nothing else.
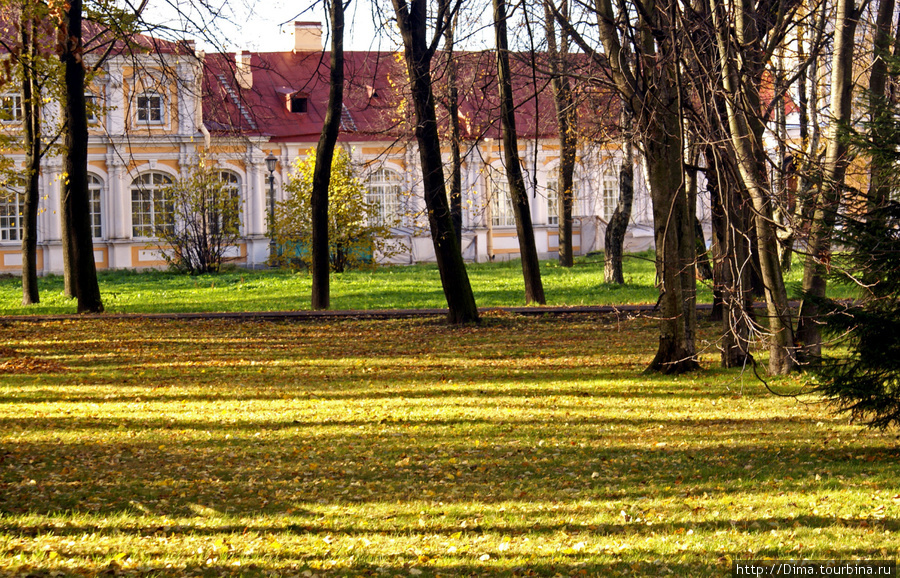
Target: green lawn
(524, 446)
(418, 286)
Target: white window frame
(232, 182)
(500, 199)
(553, 202)
(384, 190)
(146, 104)
(92, 101)
(95, 202)
(578, 200)
(149, 198)
(12, 206)
(11, 108)
(609, 193)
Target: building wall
(135, 135)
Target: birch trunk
(834, 171)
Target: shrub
(354, 236)
(205, 211)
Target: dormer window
(371, 91)
(299, 103)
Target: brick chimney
(307, 36)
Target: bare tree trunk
(880, 117)
(658, 112)
(673, 219)
(456, 212)
(807, 92)
(834, 171)
(76, 208)
(567, 127)
(781, 194)
(614, 241)
(412, 20)
(745, 129)
(732, 248)
(31, 108)
(321, 181)
(531, 269)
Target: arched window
(151, 212)
(383, 193)
(95, 189)
(12, 203)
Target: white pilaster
(115, 100)
(50, 215)
(117, 201)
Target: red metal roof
(98, 38)
(376, 100)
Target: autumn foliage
(354, 236)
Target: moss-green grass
(524, 446)
(398, 287)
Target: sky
(268, 26)
(264, 26)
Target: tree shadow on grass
(313, 525)
(298, 564)
(170, 471)
(290, 563)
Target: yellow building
(157, 109)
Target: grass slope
(525, 446)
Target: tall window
(95, 187)
(150, 210)
(553, 201)
(383, 192)
(232, 190)
(501, 204)
(11, 207)
(150, 108)
(91, 104)
(610, 194)
(10, 107)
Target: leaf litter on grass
(407, 447)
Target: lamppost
(271, 161)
